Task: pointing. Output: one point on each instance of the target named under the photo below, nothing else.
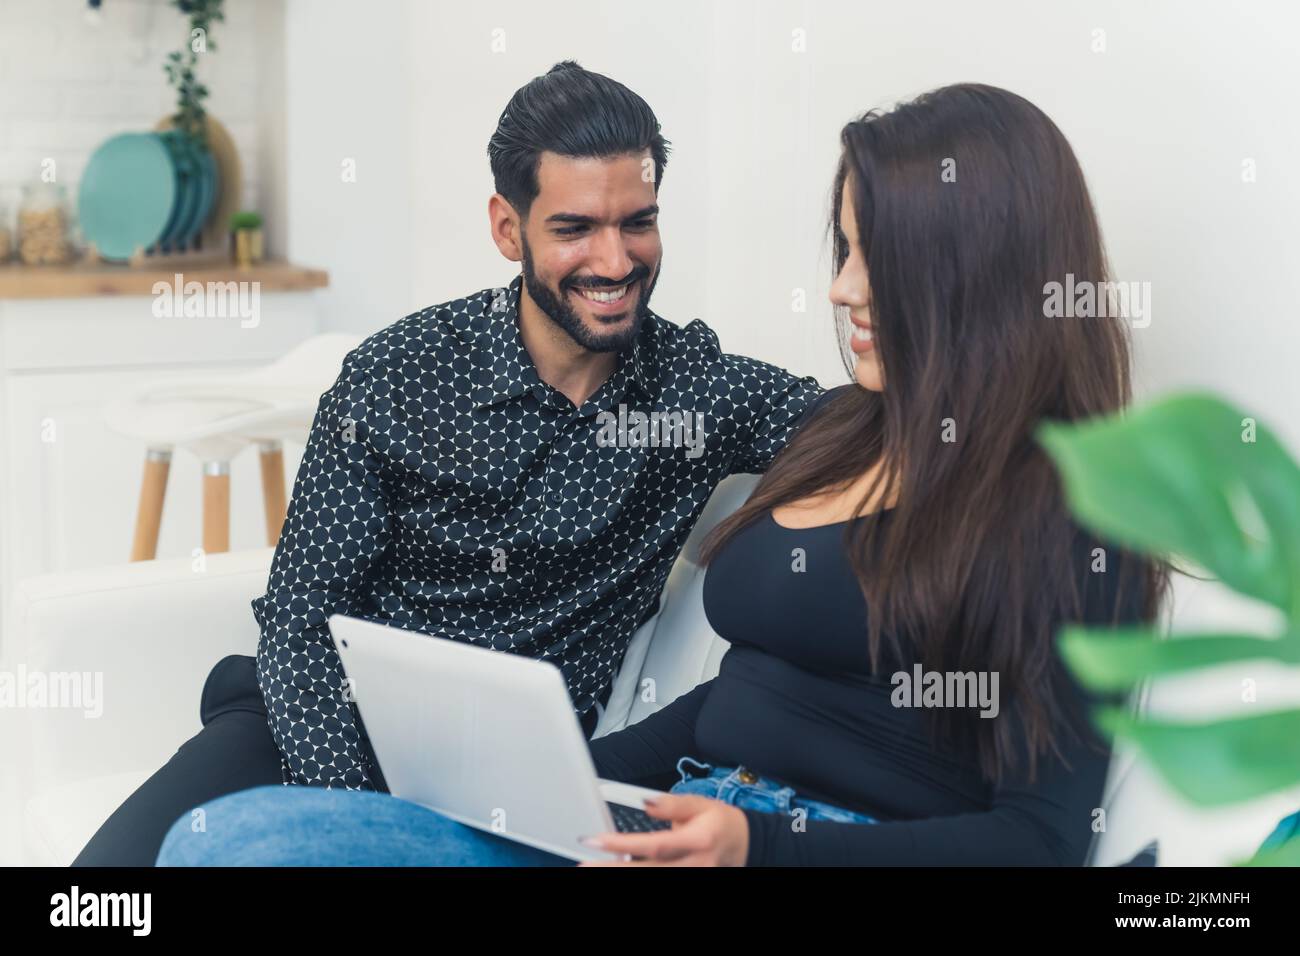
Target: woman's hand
(705, 832)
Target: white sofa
(155, 629)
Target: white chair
(216, 417)
(155, 629)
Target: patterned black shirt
(445, 488)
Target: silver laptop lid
(483, 736)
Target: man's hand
(705, 832)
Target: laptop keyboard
(633, 820)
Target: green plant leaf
(1288, 854)
(1177, 477)
(1220, 762)
(245, 219)
(1117, 658)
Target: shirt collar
(505, 370)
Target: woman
(912, 526)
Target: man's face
(591, 249)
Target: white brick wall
(66, 85)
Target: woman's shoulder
(826, 398)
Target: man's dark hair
(572, 112)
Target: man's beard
(556, 306)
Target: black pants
(234, 751)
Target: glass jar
(43, 233)
(6, 237)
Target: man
(517, 469)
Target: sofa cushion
(60, 820)
(676, 649)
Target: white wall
(348, 96)
(1161, 121)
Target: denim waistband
(749, 790)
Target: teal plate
(208, 179)
(126, 195)
(187, 167)
(171, 139)
(216, 186)
(195, 196)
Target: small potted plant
(246, 237)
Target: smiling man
(577, 204)
(459, 478)
(592, 260)
(596, 313)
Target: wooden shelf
(81, 280)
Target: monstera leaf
(1195, 479)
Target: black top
(795, 700)
(446, 489)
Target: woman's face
(852, 290)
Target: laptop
(485, 737)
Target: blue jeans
(745, 789)
(312, 826)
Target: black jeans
(234, 751)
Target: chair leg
(273, 499)
(148, 515)
(216, 506)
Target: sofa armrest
(130, 645)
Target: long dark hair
(968, 200)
